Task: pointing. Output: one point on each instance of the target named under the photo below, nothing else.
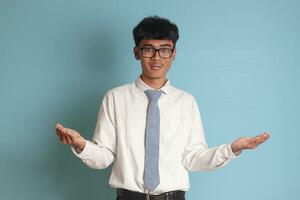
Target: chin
(155, 76)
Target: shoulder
(119, 90)
(180, 93)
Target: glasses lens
(150, 52)
(165, 52)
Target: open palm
(249, 142)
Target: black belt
(128, 194)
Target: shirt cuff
(231, 154)
(86, 150)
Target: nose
(156, 55)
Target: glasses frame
(156, 50)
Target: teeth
(156, 65)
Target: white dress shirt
(120, 132)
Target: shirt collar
(142, 86)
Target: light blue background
(240, 59)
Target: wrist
(79, 148)
(235, 149)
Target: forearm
(202, 158)
(94, 156)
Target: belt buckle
(167, 196)
(147, 196)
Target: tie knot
(153, 95)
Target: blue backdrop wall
(240, 59)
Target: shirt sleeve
(196, 155)
(100, 152)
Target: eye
(147, 49)
(166, 50)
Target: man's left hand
(249, 142)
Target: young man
(151, 130)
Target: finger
(69, 140)
(68, 132)
(60, 137)
(258, 140)
(62, 134)
(59, 134)
(267, 135)
(260, 137)
(64, 140)
(263, 137)
(252, 143)
(59, 131)
(64, 131)
(58, 126)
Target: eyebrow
(162, 45)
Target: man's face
(155, 67)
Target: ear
(136, 53)
(174, 54)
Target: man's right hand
(70, 136)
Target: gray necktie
(151, 173)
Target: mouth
(156, 66)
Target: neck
(154, 83)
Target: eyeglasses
(148, 52)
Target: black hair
(155, 27)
